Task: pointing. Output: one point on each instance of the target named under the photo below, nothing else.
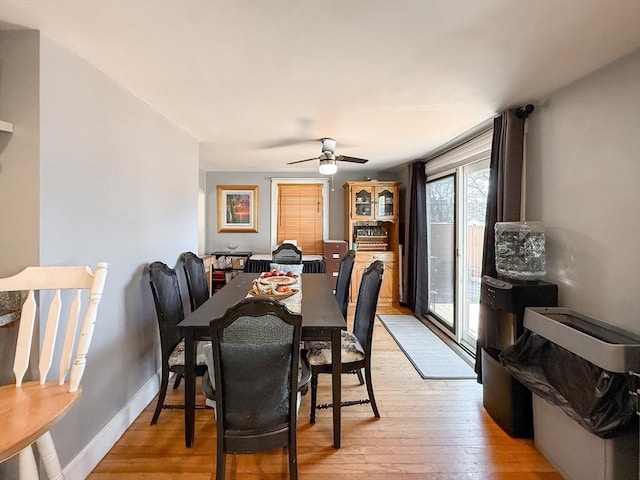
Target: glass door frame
(459, 331)
(437, 319)
(464, 338)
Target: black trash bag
(595, 398)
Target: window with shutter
(300, 215)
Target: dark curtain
(503, 202)
(415, 252)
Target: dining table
(321, 320)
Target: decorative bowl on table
(279, 273)
(275, 291)
(232, 247)
(277, 280)
(276, 295)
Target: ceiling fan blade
(300, 161)
(344, 158)
(289, 142)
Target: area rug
(431, 357)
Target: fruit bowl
(279, 280)
(271, 291)
(276, 295)
(278, 273)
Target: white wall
(119, 184)
(583, 181)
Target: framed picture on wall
(238, 208)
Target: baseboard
(83, 464)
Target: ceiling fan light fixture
(328, 167)
(328, 145)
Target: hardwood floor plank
(428, 430)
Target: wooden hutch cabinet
(372, 231)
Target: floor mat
(431, 357)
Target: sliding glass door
(441, 247)
(474, 206)
(456, 206)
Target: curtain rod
(521, 112)
(524, 112)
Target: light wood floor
(429, 429)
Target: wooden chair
(355, 346)
(256, 349)
(29, 409)
(343, 282)
(196, 276)
(168, 301)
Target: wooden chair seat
(29, 411)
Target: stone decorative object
(10, 306)
(520, 250)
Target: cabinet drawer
(332, 281)
(334, 250)
(371, 256)
(332, 264)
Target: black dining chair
(196, 277)
(169, 310)
(256, 349)
(343, 282)
(355, 345)
(287, 253)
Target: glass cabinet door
(363, 203)
(385, 201)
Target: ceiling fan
(328, 158)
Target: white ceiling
(390, 80)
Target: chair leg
(220, 463)
(360, 379)
(163, 392)
(176, 384)
(27, 465)
(49, 457)
(314, 393)
(293, 463)
(372, 399)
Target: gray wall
(261, 242)
(19, 152)
(583, 181)
(19, 175)
(116, 183)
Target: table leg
(336, 384)
(189, 387)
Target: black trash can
(502, 306)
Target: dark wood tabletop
(321, 320)
(320, 311)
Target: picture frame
(238, 208)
